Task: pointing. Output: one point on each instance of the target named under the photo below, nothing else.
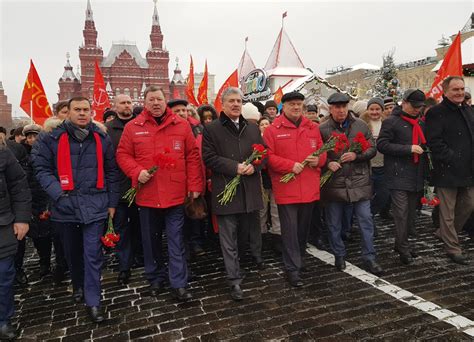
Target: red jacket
(286, 145)
(142, 140)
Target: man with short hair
(75, 165)
(180, 108)
(290, 140)
(401, 141)
(389, 104)
(61, 110)
(227, 143)
(126, 221)
(450, 135)
(158, 137)
(349, 184)
(15, 214)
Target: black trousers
(235, 233)
(295, 221)
(404, 204)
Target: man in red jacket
(290, 140)
(157, 137)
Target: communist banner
(202, 91)
(100, 101)
(190, 85)
(451, 66)
(232, 81)
(33, 98)
(277, 97)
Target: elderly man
(75, 165)
(227, 143)
(290, 140)
(15, 213)
(126, 220)
(450, 135)
(350, 183)
(158, 137)
(400, 141)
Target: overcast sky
(325, 34)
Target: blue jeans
(7, 275)
(381, 192)
(334, 214)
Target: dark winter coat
(223, 148)
(115, 130)
(450, 135)
(19, 152)
(85, 204)
(15, 201)
(39, 227)
(352, 182)
(395, 141)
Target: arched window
(126, 91)
(117, 91)
(135, 93)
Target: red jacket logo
(177, 145)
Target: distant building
(124, 69)
(5, 110)
(414, 74)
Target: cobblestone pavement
(332, 306)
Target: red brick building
(124, 69)
(5, 109)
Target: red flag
(100, 100)
(232, 81)
(451, 66)
(33, 99)
(202, 91)
(278, 95)
(190, 85)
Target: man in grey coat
(227, 143)
(350, 183)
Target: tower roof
(283, 55)
(68, 73)
(89, 14)
(469, 26)
(177, 77)
(156, 19)
(118, 47)
(246, 64)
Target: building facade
(5, 109)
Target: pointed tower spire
(68, 73)
(156, 19)
(177, 77)
(89, 14)
(283, 54)
(246, 63)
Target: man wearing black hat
(271, 109)
(400, 140)
(193, 229)
(126, 221)
(450, 135)
(291, 139)
(350, 183)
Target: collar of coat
(339, 126)
(282, 120)
(225, 120)
(451, 104)
(170, 118)
(93, 127)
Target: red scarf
(417, 135)
(65, 167)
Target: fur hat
(359, 107)
(250, 112)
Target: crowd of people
(62, 183)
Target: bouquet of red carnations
(163, 161)
(429, 198)
(336, 142)
(110, 238)
(259, 153)
(359, 144)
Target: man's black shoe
(296, 282)
(95, 313)
(459, 259)
(236, 293)
(340, 263)
(123, 277)
(406, 259)
(198, 250)
(156, 289)
(59, 275)
(181, 294)
(372, 267)
(385, 215)
(21, 277)
(78, 295)
(7, 332)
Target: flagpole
(31, 111)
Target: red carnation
(258, 147)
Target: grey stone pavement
(332, 306)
